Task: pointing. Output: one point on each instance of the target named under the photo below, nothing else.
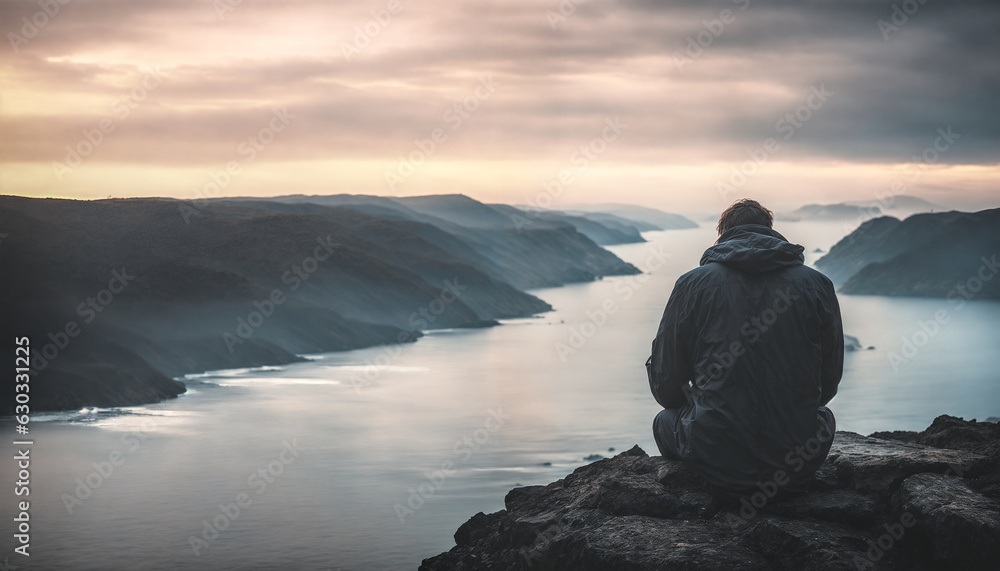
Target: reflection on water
(398, 446)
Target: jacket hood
(754, 249)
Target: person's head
(744, 211)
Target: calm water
(497, 407)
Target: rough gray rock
(959, 524)
(875, 504)
(870, 464)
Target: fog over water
(325, 450)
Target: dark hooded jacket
(749, 348)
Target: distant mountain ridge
(900, 205)
(832, 212)
(928, 255)
(256, 282)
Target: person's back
(759, 336)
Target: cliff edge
(890, 502)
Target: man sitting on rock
(748, 353)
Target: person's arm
(833, 348)
(669, 367)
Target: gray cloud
(606, 59)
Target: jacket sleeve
(669, 367)
(833, 348)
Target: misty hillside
(625, 224)
(613, 224)
(325, 278)
(924, 255)
(655, 219)
(508, 243)
(603, 232)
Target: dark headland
(950, 255)
(118, 297)
(890, 501)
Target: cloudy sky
(679, 105)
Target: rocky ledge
(898, 500)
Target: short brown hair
(744, 211)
